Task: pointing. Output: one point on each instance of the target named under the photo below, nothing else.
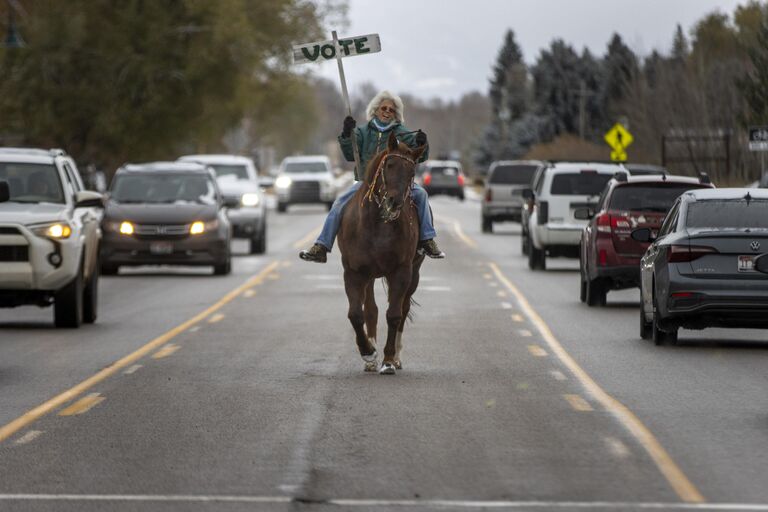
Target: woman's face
(386, 111)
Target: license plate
(161, 248)
(746, 263)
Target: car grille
(165, 231)
(14, 253)
(305, 191)
(7, 230)
(232, 201)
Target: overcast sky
(445, 48)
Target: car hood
(309, 176)
(31, 213)
(237, 188)
(160, 213)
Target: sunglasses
(385, 108)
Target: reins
(375, 194)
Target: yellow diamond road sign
(619, 139)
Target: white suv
(558, 190)
(49, 235)
(305, 179)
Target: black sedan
(165, 213)
(704, 267)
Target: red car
(610, 258)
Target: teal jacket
(370, 141)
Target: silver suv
(303, 180)
(49, 235)
(503, 197)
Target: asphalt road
(245, 392)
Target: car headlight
(199, 227)
(283, 182)
(250, 199)
(126, 228)
(52, 230)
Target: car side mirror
(643, 235)
(761, 263)
(5, 191)
(528, 194)
(89, 199)
(583, 213)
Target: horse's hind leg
(355, 286)
(406, 311)
(371, 312)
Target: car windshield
(585, 183)
(32, 183)
(513, 174)
(163, 188)
(296, 167)
(728, 214)
(237, 172)
(447, 171)
(655, 198)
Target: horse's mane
(373, 164)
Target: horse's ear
(416, 153)
(392, 142)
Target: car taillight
(543, 215)
(426, 179)
(685, 253)
(603, 223)
(461, 180)
(488, 195)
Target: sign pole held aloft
(344, 92)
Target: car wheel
(487, 225)
(646, 327)
(595, 292)
(91, 297)
(68, 304)
(259, 244)
(660, 337)
(582, 289)
(525, 244)
(282, 207)
(461, 195)
(109, 270)
(537, 259)
(223, 269)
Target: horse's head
(391, 183)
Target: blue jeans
(333, 220)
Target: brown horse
(378, 238)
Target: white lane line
(525, 333)
(537, 351)
(558, 375)
(322, 277)
(578, 403)
(218, 317)
(194, 329)
(132, 369)
(487, 275)
(518, 318)
(617, 447)
(329, 286)
(434, 288)
(249, 293)
(501, 293)
(493, 284)
(28, 437)
(410, 503)
(682, 486)
(506, 305)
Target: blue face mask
(381, 126)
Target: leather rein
(377, 194)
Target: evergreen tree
(680, 47)
(509, 85)
(754, 85)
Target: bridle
(377, 189)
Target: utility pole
(583, 94)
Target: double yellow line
(41, 410)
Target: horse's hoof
(370, 367)
(387, 369)
(371, 362)
(398, 365)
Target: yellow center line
(41, 410)
(83, 405)
(671, 471)
(458, 230)
(309, 237)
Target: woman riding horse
(385, 116)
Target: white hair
(386, 95)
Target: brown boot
(316, 253)
(430, 248)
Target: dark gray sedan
(700, 271)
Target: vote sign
(758, 138)
(326, 50)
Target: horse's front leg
(398, 282)
(355, 286)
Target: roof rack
(704, 178)
(620, 176)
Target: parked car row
(56, 238)
(698, 254)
